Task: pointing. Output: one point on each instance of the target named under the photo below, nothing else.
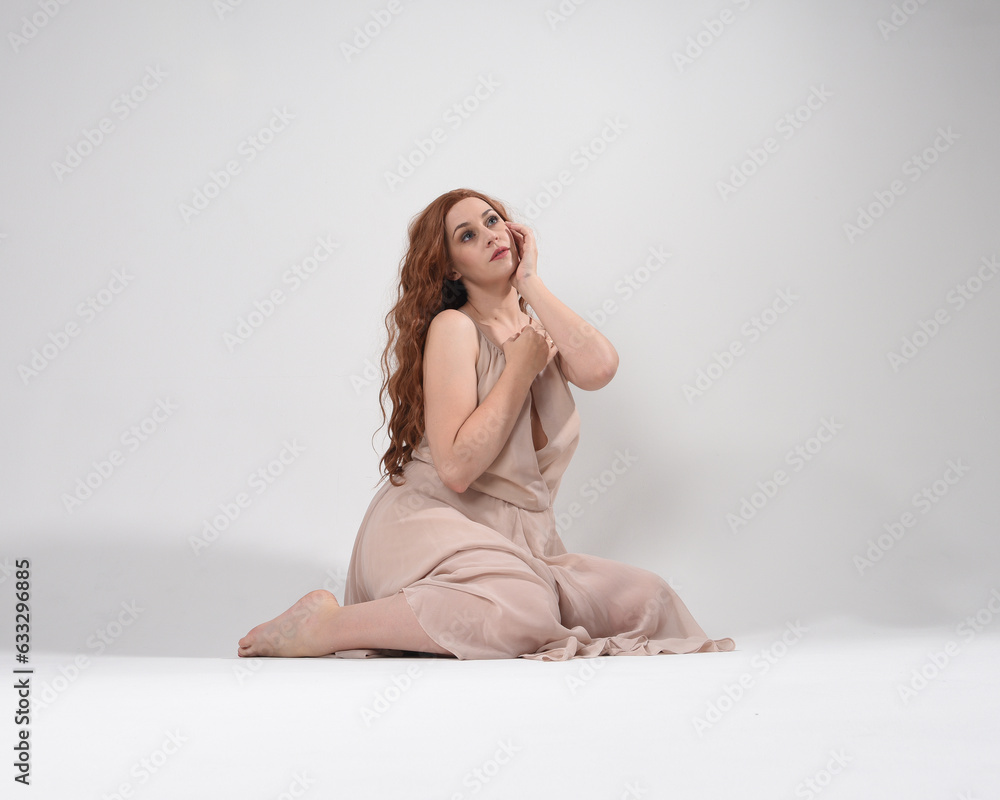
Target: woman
(458, 553)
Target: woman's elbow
(455, 486)
(598, 380)
(453, 478)
(606, 374)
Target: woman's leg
(318, 625)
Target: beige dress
(485, 570)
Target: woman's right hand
(528, 350)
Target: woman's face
(475, 234)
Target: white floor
(797, 714)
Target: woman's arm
(587, 358)
(465, 438)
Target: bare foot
(302, 630)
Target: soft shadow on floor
(124, 597)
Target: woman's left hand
(523, 239)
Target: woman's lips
(500, 253)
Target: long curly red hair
(423, 292)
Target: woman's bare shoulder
(452, 317)
(452, 329)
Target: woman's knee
(645, 600)
(531, 619)
(518, 616)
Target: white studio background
(819, 181)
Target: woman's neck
(498, 312)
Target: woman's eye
(488, 219)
